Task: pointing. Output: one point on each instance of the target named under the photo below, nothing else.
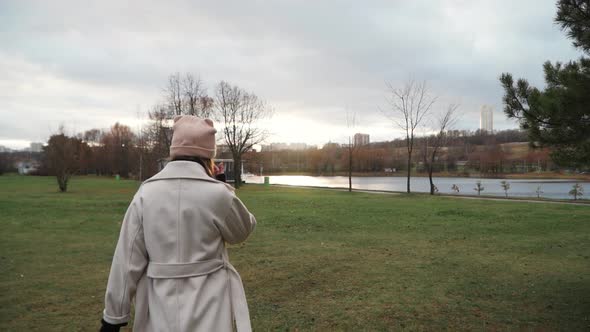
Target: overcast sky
(89, 64)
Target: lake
(552, 188)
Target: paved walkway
(515, 200)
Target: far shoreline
(580, 201)
(510, 176)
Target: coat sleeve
(238, 223)
(129, 264)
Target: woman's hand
(107, 327)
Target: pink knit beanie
(193, 136)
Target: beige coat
(171, 255)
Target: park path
(382, 192)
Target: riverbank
(558, 189)
(582, 201)
(512, 176)
(318, 260)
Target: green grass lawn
(318, 260)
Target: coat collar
(182, 169)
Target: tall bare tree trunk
(409, 170)
(430, 169)
(350, 171)
(237, 171)
(446, 120)
(62, 182)
(350, 123)
(409, 105)
(239, 111)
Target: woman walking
(171, 254)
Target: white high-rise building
(486, 119)
(36, 147)
(361, 139)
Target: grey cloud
(319, 58)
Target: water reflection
(552, 188)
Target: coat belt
(239, 306)
(183, 270)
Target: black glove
(107, 327)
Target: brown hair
(207, 163)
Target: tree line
(128, 153)
(461, 152)
(120, 150)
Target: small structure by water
(27, 167)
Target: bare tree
(206, 104)
(196, 102)
(183, 95)
(478, 187)
(539, 191)
(505, 186)
(445, 121)
(577, 190)
(158, 132)
(187, 95)
(351, 147)
(239, 111)
(175, 95)
(119, 149)
(408, 107)
(62, 157)
(92, 136)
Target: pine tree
(559, 115)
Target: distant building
(284, 146)
(4, 149)
(36, 147)
(361, 139)
(461, 165)
(331, 145)
(223, 151)
(297, 146)
(278, 146)
(486, 119)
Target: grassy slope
(318, 260)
